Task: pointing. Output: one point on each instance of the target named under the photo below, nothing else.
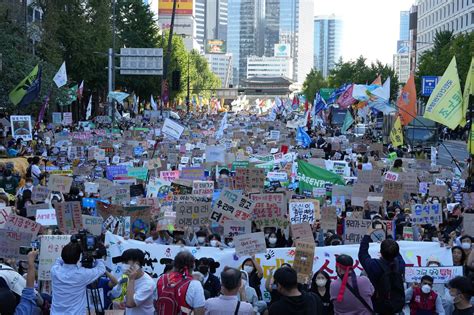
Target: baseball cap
(134, 254)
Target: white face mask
(272, 240)
(321, 282)
(213, 243)
(426, 289)
(230, 244)
(201, 239)
(248, 269)
(435, 202)
(433, 265)
(466, 245)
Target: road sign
(141, 61)
(428, 84)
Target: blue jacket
(372, 265)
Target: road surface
(458, 150)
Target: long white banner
(415, 254)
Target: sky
(370, 27)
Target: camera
(89, 246)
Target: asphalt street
(458, 150)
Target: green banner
(326, 92)
(311, 176)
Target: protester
(461, 291)
(229, 303)
(207, 267)
(423, 299)
(320, 285)
(255, 272)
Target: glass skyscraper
(327, 43)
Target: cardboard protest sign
(232, 205)
(340, 190)
(328, 218)
(360, 192)
(375, 201)
(391, 176)
(181, 187)
(169, 175)
(304, 258)
(468, 222)
(60, 183)
(46, 217)
(215, 154)
(20, 224)
(270, 210)
(191, 210)
(249, 179)
(172, 129)
(426, 213)
(21, 127)
(355, 229)
(51, 247)
(92, 224)
(203, 188)
(305, 210)
(39, 193)
(302, 231)
(10, 242)
(192, 173)
(115, 170)
(250, 244)
(372, 177)
(31, 209)
(439, 274)
(440, 191)
(135, 213)
(69, 217)
(140, 173)
(91, 188)
(407, 233)
(392, 191)
(121, 195)
(233, 228)
(410, 182)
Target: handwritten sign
(20, 224)
(232, 205)
(203, 188)
(10, 242)
(192, 173)
(440, 191)
(360, 192)
(60, 183)
(302, 231)
(355, 229)
(92, 224)
(140, 173)
(115, 170)
(172, 129)
(439, 274)
(169, 176)
(270, 210)
(31, 209)
(393, 191)
(427, 213)
(233, 228)
(391, 177)
(191, 210)
(51, 247)
(39, 193)
(46, 217)
(250, 244)
(328, 218)
(249, 179)
(69, 217)
(371, 177)
(304, 211)
(304, 258)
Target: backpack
(389, 295)
(172, 295)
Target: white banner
(172, 129)
(414, 253)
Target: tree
(313, 83)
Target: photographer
(69, 281)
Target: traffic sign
(141, 61)
(428, 84)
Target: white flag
(89, 108)
(153, 103)
(61, 76)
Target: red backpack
(172, 289)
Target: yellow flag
(468, 90)
(396, 135)
(470, 142)
(445, 103)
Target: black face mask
(203, 269)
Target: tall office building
(401, 59)
(211, 20)
(439, 15)
(257, 26)
(404, 25)
(327, 43)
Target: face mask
(321, 282)
(466, 245)
(230, 244)
(204, 269)
(435, 202)
(201, 239)
(433, 265)
(28, 185)
(248, 269)
(213, 243)
(426, 289)
(272, 240)
(81, 194)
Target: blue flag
(302, 138)
(335, 94)
(319, 104)
(32, 91)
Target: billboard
(183, 7)
(216, 46)
(282, 50)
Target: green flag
(348, 121)
(311, 176)
(17, 94)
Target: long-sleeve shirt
(69, 283)
(27, 303)
(439, 302)
(371, 265)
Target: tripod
(96, 299)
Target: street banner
(439, 274)
(311, 176)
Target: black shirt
(467, 311)
(305, 304)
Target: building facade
(441, 15)
(211, 20)
(401, 59)
(269, 67)
(401, 66)
(221, 65)
(327, 43)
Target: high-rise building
(273, 67)
(327, 43)
(221, 65)
(257, 25)
(401, 66)
(404, 25)
(436, 16)
(211, 20)
(401, 60)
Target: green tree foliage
(313, 83)
(435, 60)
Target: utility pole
(164, 83)
(111, 55)
(188, 96)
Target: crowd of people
(190, 283)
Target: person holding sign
(255, 272)
(423, 299)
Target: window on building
(472, 17)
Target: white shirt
(227, 305)
(69, 283)
(35, 171)
(145, 288)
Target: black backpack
(389, 297)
